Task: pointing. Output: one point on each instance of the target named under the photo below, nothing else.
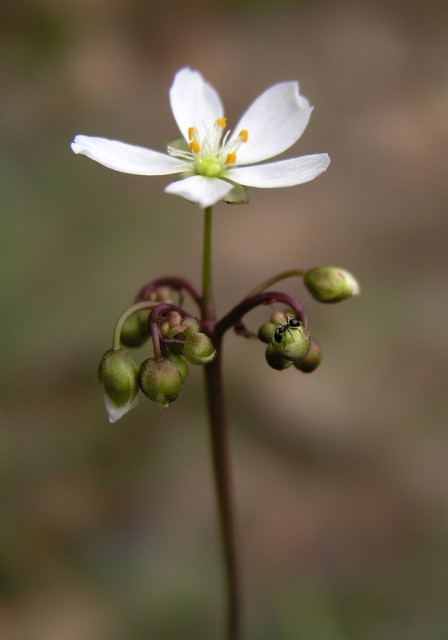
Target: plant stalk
(223, 488)
(219, 441)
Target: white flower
(209, 163)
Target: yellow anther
(194, 146)
(192, 133)
(221, 122)
(231, 158)
(243, 135)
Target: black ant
(291, 323)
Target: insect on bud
(160, 380)
(331, 284)
(291, 339)
(118, 374)
(199, 349)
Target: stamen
(192, 133)
(230, 158)
(243, 135)
(195, 147)
(221, 122)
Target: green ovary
(211, 167)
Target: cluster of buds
(289, 343)
(177, 341)
(287, 338)
(135, 330)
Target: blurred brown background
(109, 532)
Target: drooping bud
(160, 380)
(163, 294)
(189, 325)
(172, 324)
(118, 374)
(135, 330)
(331, 284)
(266, 331)
(180, 363)
(199, 349)
(310, 361)
(275, 359)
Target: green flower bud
(118, 374)
(135, 330)
(275, 359)
(180, 363)
(189, 325)
(163, 294)
(280, 317)
(199, 349)
(311, 360)
(266, 331)
(172, 324)
(331, 284)
(160, 380)
(291, 341)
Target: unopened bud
(275, 359)
(172, 324)
(199, 349)
(188, 326)
(292, 340)
(331, 284)
(277, 319)
(163, 294)
(180, 363)
(311, 360)
(135, 330)
(266, 331)
(280, 317)
(160, 380)
(118, 374)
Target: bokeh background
(109, 532)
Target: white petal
(284, 173)
(194, 102)
(114, 412)
(275, 121)
(127, 158)
(204, 191)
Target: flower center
(211, 155)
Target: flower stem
(219, 442)
(208, 303)
(221, 470)
(274, 279)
